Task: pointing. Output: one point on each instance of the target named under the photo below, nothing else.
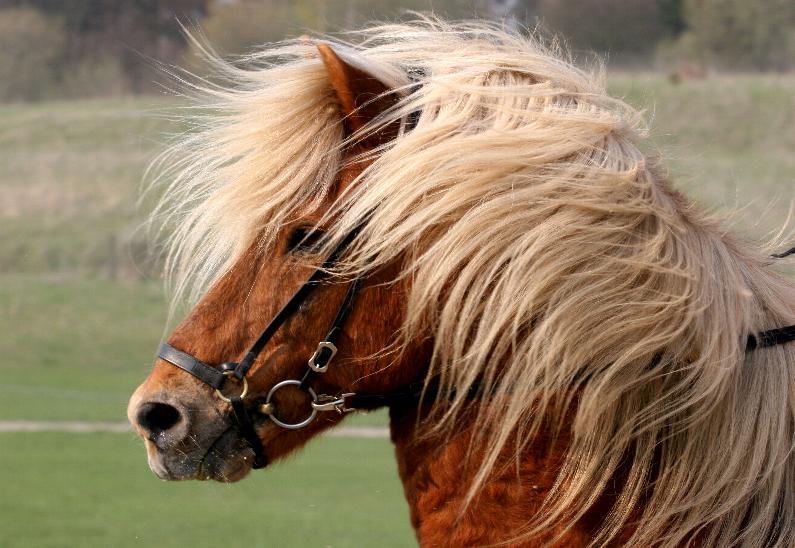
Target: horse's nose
(159, 422)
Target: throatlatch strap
(205, 373)
(784, 254)
(410, 393)
(772, 337)
(247, 431)
(769, 338)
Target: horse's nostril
(156, 417)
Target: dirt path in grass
(87, 427)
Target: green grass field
(75, 347)
(81, 316)
(94, 490)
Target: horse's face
(190, 432)
(188, 429)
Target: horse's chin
(227, 459)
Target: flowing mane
(551, 264)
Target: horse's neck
(436, 478)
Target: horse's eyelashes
(304, 239)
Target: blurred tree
(112, 46)
(31, 47)
(739, 34)
(128, 30)
(237, 26)
(623, 29)
(672, 16)
(501, 9)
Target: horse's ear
(362, 96)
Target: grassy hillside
(73, 348)
(71, 172)
(728, 141)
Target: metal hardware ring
(297, 425)
(242, 394)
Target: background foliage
(80, 48)
(30, 48)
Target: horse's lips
(225, 460)
(156, 464)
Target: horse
(453, 221)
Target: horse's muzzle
(187, 439)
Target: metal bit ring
(297, 425)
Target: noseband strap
(205, 373)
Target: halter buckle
(333, 403)
(321, 368)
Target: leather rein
(318, 363)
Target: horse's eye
(304, 239)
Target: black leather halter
(318, 363)
(216, 377)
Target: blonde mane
(547, 257)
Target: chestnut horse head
(284, 284)
(455, 223)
